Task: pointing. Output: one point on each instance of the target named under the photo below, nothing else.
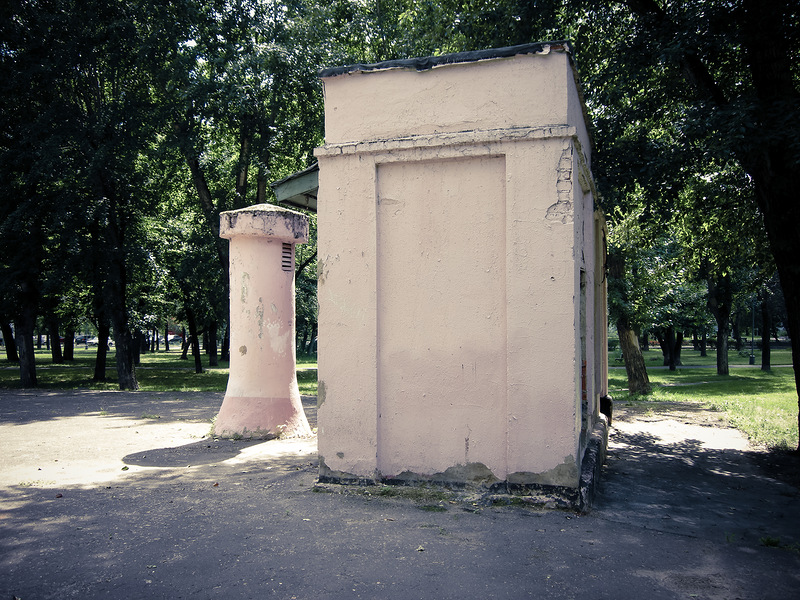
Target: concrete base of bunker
(475, 478)
(593, 460)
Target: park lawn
(654, 358)
(158, 372)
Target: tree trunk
(243, 167)
(638, 381)
(166, 338)
(103, 330)
(193, 336)
(69, 343)
(769, 151)
(27, 352)
(736, 332)
(704, 344)
(136, 347)
(225, 351)
(662, 343)
(723, 367)
(635, 367)
(766, 322)
(304, 341)
(720, 299)
(676, 349)
(209, 210)
(123, 350)
(55, 341)
(261, 184)
(115, 290)
(777, 195)
(670, 342)
(213, 359)
(25, 324)
(8, 339)
(123, 340)
(263, 163)
(185, 342)
(772, 159)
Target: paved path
(121, 495)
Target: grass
(761, 404)
(158, 372)
(654, 358)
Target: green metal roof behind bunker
(299, 189)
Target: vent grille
(286, 258)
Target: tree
(723, 242)
(744, 105)
(725, 74)
(8, 340)
(306, 307)
(246, 104)
(665, 82)
(81, 110)
(626, 296)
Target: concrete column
(262, 399)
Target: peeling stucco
(328, 475)
(562, 211)
(265, 220)
(244, 286)
(320, 393)
(565, 474)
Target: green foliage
(115, 114)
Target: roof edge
(429, 62)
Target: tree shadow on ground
(693, 488)
(203, 452)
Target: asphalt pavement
(124, 495)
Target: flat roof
(300, 189)
(429, 62)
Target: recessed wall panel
(441, 315)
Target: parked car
(94, 341)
